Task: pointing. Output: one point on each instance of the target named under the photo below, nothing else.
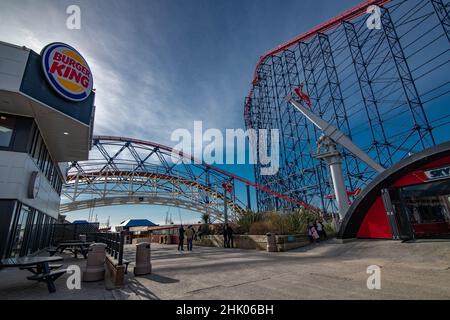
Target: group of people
(189, 233)
(316, 232)
(190, 236)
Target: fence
(114, 243)
(69, 232)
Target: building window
(20, 234)
(44, 233)
(7, 123)
(10, 129)
(39, 153)
(30, 231)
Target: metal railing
(114, 243)
(71, 232)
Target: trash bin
(95, 264)
(143, 256)
(271, 243)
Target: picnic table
(74, 247)
(40, 266)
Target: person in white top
(321, 230)
(315, 234)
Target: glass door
(401, 214)
(428, 208)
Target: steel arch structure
(124, 171)
(377, 85)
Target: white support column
(327, 152)
(340, 192)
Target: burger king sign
(67, 71)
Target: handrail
(114, 243)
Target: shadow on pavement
(160, 278)
(140, 290)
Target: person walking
(180, 238)
(225, 235)
(189, 237)
(230, 237)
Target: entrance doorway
(423, 210)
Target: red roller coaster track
(245, 181)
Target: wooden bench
(52, 251)
(52, 275)
(48, 278)
(34, 270)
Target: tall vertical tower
(383, 84)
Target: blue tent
(80, 222)
(137, 223)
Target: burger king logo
(67, 71)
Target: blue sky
(159, 65)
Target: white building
(46, 120)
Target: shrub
(260, 228)
(206, 218)
(246, 220)
(329, 229)
(295, 222)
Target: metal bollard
(143, 259)
(95, 264)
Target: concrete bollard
(271, 243)
(143, 259)
(95, 264)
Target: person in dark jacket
(225, 235)
(308, 231)
(230, 236)
(181, 238)
(199, 233)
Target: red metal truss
(231, 175)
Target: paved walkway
(326, 271)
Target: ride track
(124, 171)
